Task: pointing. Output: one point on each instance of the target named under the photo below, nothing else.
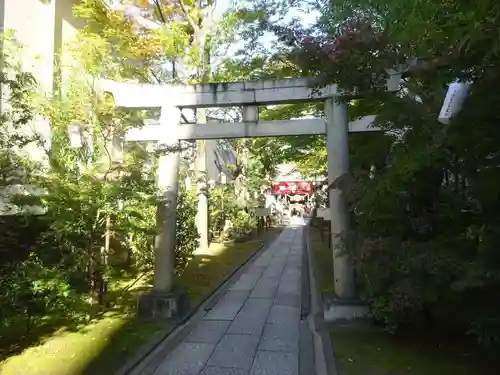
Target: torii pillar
(345, 305)
(165, 301)
(337, 131)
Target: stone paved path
(254, 328)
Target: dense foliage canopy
(426, 229)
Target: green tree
(425, 227)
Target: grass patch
(101, 347)
(375, 352)
(69, 351)
(362, 351)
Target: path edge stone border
(306, 337)
(209, 299)
(320, 327)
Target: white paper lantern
(75, 135)
(117, 150)
(453, 101)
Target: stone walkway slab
(275, 363)
(209, 331)
(253, 328)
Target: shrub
(223, 206)
(187, 233)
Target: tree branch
(160, 11)
(158, 80)
(188, 17)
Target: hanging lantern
(75, 135)
(117, 149)
(453, 101)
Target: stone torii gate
(163, 301)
